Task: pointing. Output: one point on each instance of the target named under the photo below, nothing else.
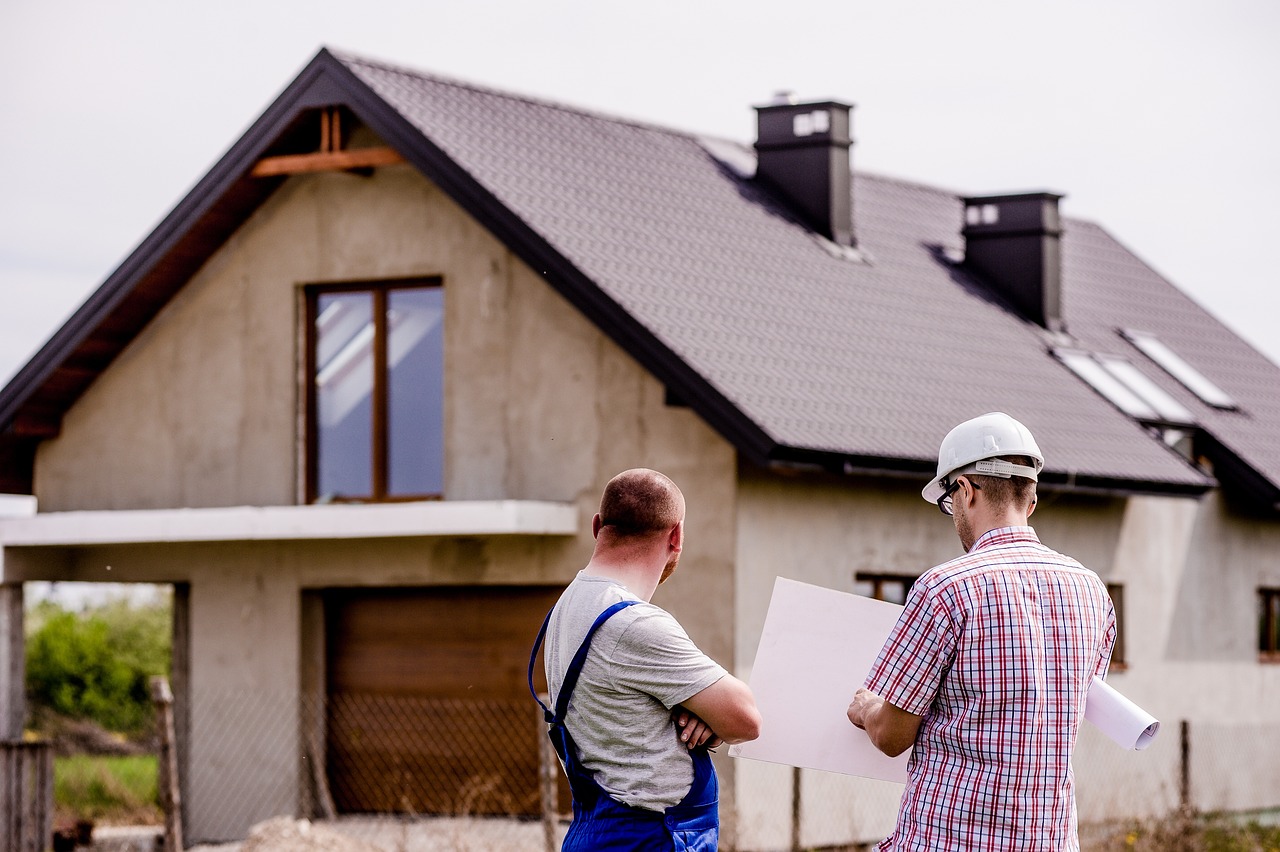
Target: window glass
(1174, 365)
(377, 395)
(415, 391)
(344, 336)
(1166, 407)
(1084, 366)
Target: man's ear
(676, 538)
(595, 526)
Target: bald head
(640, 501)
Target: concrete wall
(824, 531)
(1190, 570)
(202, 410)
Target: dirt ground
(373, 834)
(284, 834)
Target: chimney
(1014, 243)
(802, 152)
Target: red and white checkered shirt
(996, 650)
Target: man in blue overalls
(636, 704)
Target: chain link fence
(407, 773)
(1198, 786)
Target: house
(356, 396)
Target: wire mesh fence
(408, 773)
(1200, 785)
(404, 772)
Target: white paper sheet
(816, 648)
(1127, 724)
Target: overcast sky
(1157, 118)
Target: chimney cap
(787, 99)
(1044, 194)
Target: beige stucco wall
(824, 530)
(201, 410)
(1190, 570)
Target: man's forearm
(890, 729)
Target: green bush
(97, 664)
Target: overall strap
(575, 667)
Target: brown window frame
(379, 452)
(1119, 659)
(877, 579)
(1268, 624)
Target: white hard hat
(968, 447)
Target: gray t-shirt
(641, 664)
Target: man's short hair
(1004, 492)
(640, 501)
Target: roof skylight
(1125, 387)
(1174, 365)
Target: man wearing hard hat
(988, 667)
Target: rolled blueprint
(1126, 723)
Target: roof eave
(1243, 485)
(794, 458)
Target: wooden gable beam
(331, 157)
(39, 423)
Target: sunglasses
(944, 502)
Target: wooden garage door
(428, 706)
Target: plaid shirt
(996, 650)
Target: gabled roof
(792, 350)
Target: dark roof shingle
(874, 359)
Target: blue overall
(602, 822)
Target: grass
(1194, 833)
(106, 789)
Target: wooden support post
(548, 776)
(26, 796)
(13, 703)
(1184, 766)
(170, 790)
(795, 809)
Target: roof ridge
(350, 58)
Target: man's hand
(729, 708)
(891, 729)
(864, 701)
(692, 731)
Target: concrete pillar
(13, 668)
